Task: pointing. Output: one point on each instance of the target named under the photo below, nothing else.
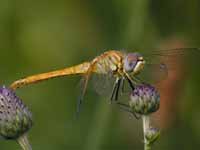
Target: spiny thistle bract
(144, 99)
(15, 117)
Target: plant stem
(146, 126)
(24, 143)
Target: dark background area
(40, 36)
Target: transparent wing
(170, 57)
(172, 52)
(103, 84)
(161, 63)
(153, 73)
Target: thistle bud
(15, 118)
(144, 99)
(151, 135)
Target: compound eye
(130, 62)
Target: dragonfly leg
(117, 89)
(122, 86)
(126, 108)
(130, 83)
(113, 92)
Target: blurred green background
(43, 35)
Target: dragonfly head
(133, 63)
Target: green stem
(24, 143)
(146, 126)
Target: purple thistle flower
(144, 99)
(15, 118)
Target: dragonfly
(122, 66)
